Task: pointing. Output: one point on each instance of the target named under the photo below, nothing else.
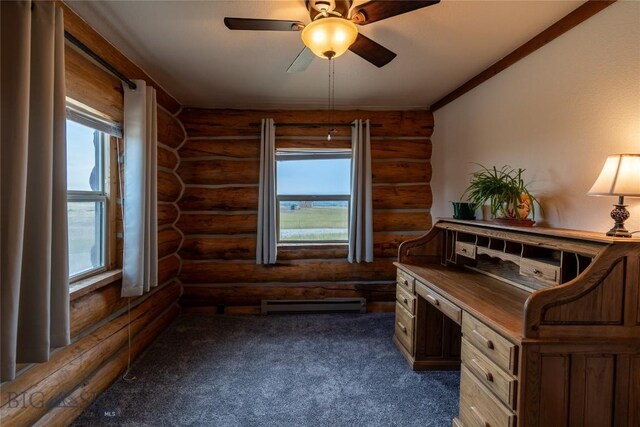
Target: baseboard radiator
(327, 305)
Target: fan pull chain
(333, 87)
(329, 97)
(332, 95)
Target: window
(87, 189)
(313, 191)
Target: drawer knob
(486, 373)
(476, 414)
(402, 327)
(405, 300)
(405, 281)
(464, 250)
(488, 343)
(433, 300)
(536, 271)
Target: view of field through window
(85, 236)
(85, 216)
(323, 215)
(317, 220)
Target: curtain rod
(314, 125)
(74, 41)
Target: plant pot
(463, 210)
(521, 211)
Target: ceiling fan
(333, 29)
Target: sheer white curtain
(266, 246)
(361, 213)
(140, 263)
(33, 231)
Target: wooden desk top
(490, 300)
(591, 236)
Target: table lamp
(620, 176)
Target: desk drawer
(466, 249)
(406, 300)
(478, 407)
(490, 375)
(497, 348)
(448, 308)
(405, 280)
(542, 271)
(404, 327)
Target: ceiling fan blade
(302, 61)
(377, 10)
(262, 24)
(371, 51)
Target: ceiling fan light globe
(333, 35)
(319, 37)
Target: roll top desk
(544, 324)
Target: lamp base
(619, 214)
(618, 232)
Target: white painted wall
(557, 113)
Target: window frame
(293, 154)
(108, 180)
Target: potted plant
(505, 190)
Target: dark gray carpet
(286, 370)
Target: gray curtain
(34, 272)
(361, 213)
(266, 245)
(140, 258)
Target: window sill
(90, 284)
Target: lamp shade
(329, 37)
(620, 176)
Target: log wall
(219, 166)
(56, 392)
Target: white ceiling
(185, 47)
